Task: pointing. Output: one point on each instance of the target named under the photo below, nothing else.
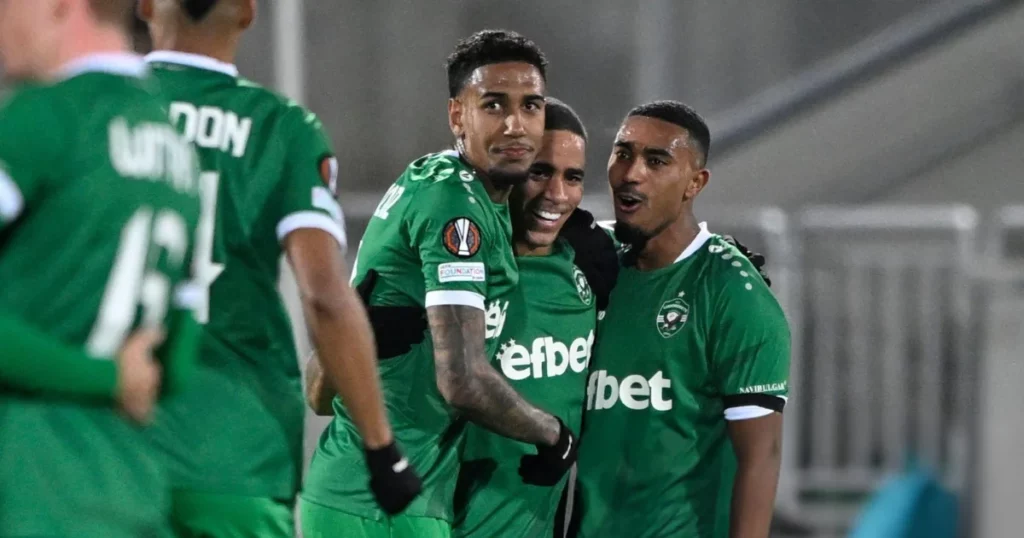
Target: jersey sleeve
(30, 144)
(306, 192)
(446, 228)
(749, 344)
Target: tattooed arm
(470, 384)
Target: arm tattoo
(470, 384)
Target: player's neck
(221, 48)
(99, 40)
(663, 249)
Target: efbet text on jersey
(546, 357)
(634, 391)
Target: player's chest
(656, 326)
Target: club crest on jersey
(672, 316)
(329, 173)
(582, 286)
(461, 237)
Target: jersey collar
(197, 61)
(115, 63)
(702, 237)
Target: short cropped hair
(559, 116)
(198, 9)
(682, 115)
(113, 11)
(488, 47)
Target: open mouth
(628, 202)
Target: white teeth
(547, 215)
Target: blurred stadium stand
(872, 149)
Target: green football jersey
(680, 351)
(435, 238)
(98, 210)
(267, 170)
(545, 350)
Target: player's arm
(757, 443)
(469, 383)
(178, 354)
(750, 347)
(340, 331)
(310, 227)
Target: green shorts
(319, 521)
(209, 515)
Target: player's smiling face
(553, 189)
(500, 116)
(28, 36)
(653, 171)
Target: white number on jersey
(206, 271)
(132, 283)
(390, 199)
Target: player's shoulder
(440, 175)
(24, 109)
(734, 280)
(31, 99)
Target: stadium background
(871, 148)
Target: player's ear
(248, 14)
(697, 183)
(144, 10)
(455, 117)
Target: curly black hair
(488, 47)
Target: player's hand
(393, 481)
(596, 254)
(138, 374)
(550, 463)
(756, 259)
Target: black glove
(393, 481)
(551, 462)
(596, 255)
(756, 259)
(395, 328)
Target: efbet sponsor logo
(546, 357)
(495, 318)
(633, 391)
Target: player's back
(264, 165)
(95, 242)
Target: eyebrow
(647, 151)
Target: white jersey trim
(703, 236)
(311, 219)
(11, 201)
(454, 297)
(192, 60)
(116, 63)
(747, 412)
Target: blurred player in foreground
(98, 210)
(683, 428)
(440, 240)
(548, 335)
(234, 445)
